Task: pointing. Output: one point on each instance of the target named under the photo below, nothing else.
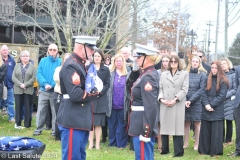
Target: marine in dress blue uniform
(143, 116)
(75, 115)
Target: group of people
(141, 100)
(18, 79)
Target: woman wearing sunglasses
(172, 96)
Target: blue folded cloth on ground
(14, 143)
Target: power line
(234, 7)
(234, 16)
(234, 21)
(231, 11)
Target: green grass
(53, 147)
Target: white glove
(144, 139)
(135, 66)
(98, 84)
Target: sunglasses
(53, 50)
(174, 62)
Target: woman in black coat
(228, 103)
(197, 86)
(101, 104)
(211, 133)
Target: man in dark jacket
(10, 63)
(236, 112)
(75, 112)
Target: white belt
(66, 96)
(137, 108)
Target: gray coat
(30, 77)
(110, 93)
(228, 103)
(172, 118)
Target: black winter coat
(101, 103)
(228, 103)
(3, 71)
(215, 99)
(197, 86)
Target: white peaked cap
(86, 39)
(147, 50)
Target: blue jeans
(9, 103)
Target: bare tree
(75, 17)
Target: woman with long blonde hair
(197, 85)
(117, 94)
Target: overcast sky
(202, 11)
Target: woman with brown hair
(211, 133)
(100, 105)
(172, 96)
(164, 67)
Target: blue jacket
(10, 66)
(46, 69)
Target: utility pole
(208, 42)
(205, 40)
(226, 28)
(216, 38)
(178, 26)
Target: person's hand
(171, 102)
(48, 87)
(187, 104)
(163, 101)
(144, 139)
(22, 86)
(209, 108)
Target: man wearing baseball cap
(75, 116)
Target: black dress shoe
(164, 153)
(235, 154)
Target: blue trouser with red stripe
(147, 152)
(74, 143)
